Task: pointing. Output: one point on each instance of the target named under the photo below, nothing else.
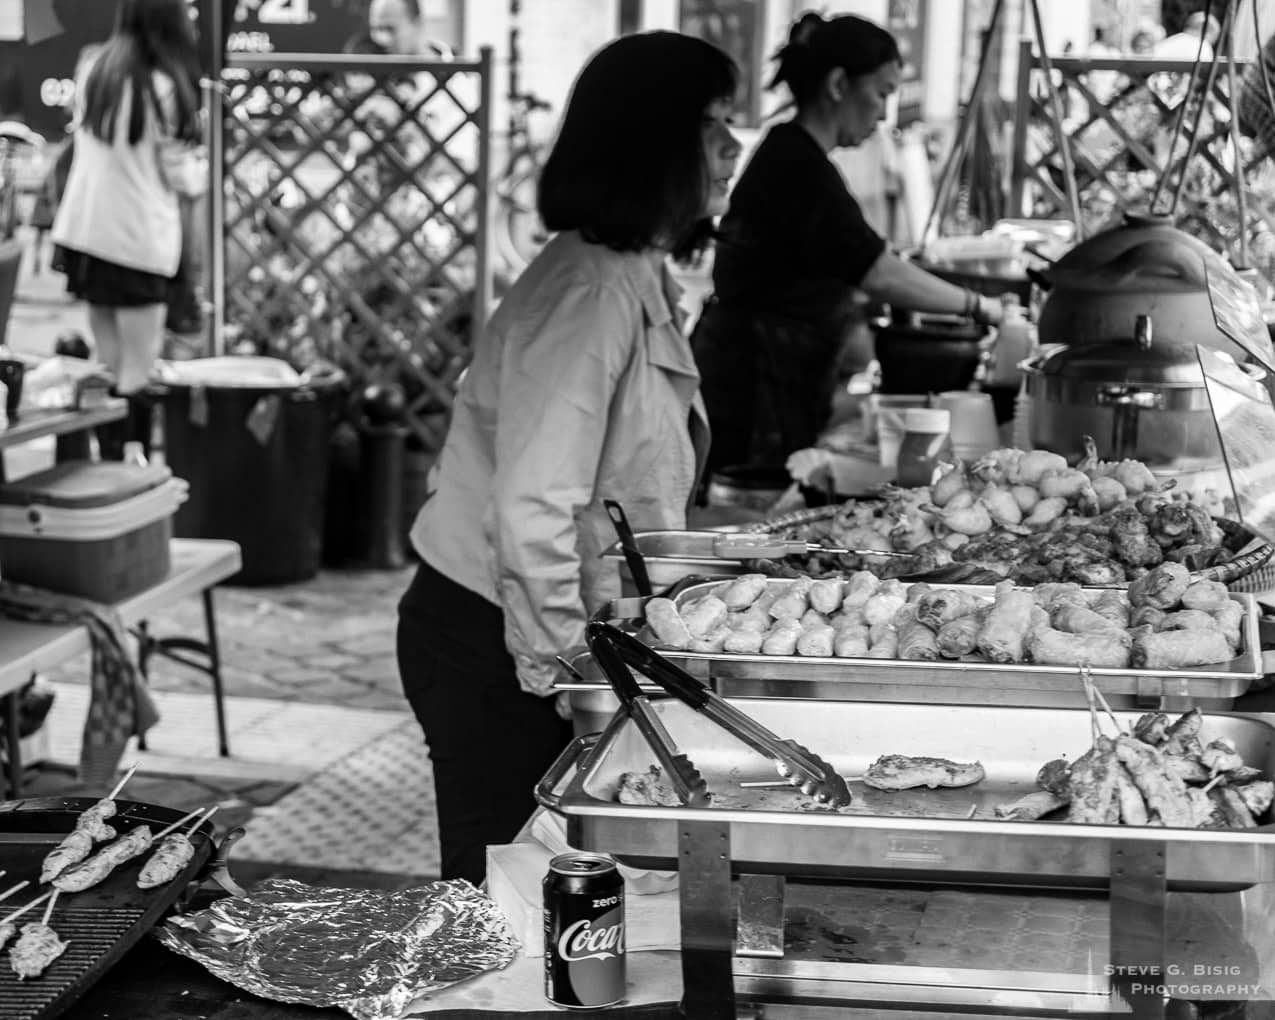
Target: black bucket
(756, 486)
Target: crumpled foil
(367, 952)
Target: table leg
(13, 742)
(214, 671)
(707, 905)
(1139, 908)
(145, 649)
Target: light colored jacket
(117, 205)
(582, 388)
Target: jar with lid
(926, 443)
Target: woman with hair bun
(794, 246)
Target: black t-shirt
(794, 241)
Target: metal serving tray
(914, 835)
(960, 681)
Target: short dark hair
(627, 168)
(817, 45)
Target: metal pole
(215, 128)
(1232, 92)
(483, 284)
(1055, 116)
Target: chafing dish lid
(1125, 361)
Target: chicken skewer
(90, 828)
(37, 946)
(172, 854)
(94, 869)
(7, 927)
(93, 818)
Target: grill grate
(100, 924)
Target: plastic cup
(974, 430)
(885, 412)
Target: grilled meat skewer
(93, 869)
(76, 846)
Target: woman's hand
(987, 311)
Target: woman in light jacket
(582, 388)
(118, 226)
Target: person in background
(794, 248)
(582, 388)
(398, 26)
(1255, 110)
(1198, 36)
(117, 229)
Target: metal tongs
(748, 546)
(803, 769)
(685, 778)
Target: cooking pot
(1144, 400)
(1145, 266)
(927, 354)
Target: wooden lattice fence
(1122, 116)
(354, 218)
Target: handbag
(184, 168)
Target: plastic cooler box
(99, 530)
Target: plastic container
(926, 441)
(98, 530)
(253, 442)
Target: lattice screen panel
(354, 219)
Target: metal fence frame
(266, 71)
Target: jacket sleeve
(557, 383)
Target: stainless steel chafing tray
(961, 681)
(915, 835)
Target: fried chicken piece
(1164, 793)
(1257, 796)
(647, 788)
(1220, 756)
(1113, 605)
(1231, 810)
(902, 772)
(1055, 777)
(1201, 805)
(1092, 571)
(1003, 637)
(1183, 736)
(1030, 806)
(1151, 728)
(1133, 809)
(1093, 785)
(1181, 522)
(1162, 587)
(1188, 769)
(1131, 540)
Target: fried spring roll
(742, 592)
(1180, 649)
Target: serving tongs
(801, 767)
(682, 774)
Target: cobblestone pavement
(327, 641)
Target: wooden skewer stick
(120, 785)
(22, 910)
(178, 824)
(973, 811)
(48, 910)
(204, 816)
(1094, 729)
(1102, 700)
(12, 889)
(1213, 782)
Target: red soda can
(584, 931)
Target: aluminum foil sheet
(369, 953)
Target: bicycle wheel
(519, 232)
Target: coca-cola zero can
(584, 931)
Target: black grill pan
(101, 923)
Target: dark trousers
(489, 742)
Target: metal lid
(1125, 361)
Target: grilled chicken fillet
(173, 853)
(901, 772)
(36, 948)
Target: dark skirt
(107, 284)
